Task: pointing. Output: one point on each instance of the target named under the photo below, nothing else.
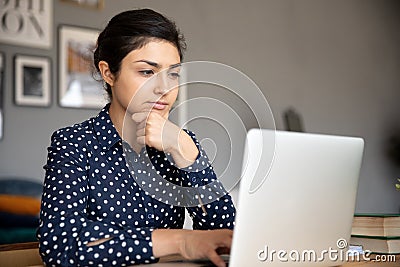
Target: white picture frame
(1, 93)
(94, 4)
(77, 86)
(32, 80)
(27, 23)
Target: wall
(337, 62)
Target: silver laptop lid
(296, 199)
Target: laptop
(296, 200)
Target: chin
(164, 113)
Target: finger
(142, 124)
(139, 116)
(216, 259)
(225, 239)
(141, 140)
(223, 250)
(140, 132)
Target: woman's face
(148, 79)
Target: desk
(19, 255)
(392, 263)
(171, 261)
(27, 254)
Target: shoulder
(70, 144)
(74, 133)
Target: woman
(94, 211)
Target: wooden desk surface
(20, 255)
(19, 246)
(377, 260)
(27, 254)
(390, 261)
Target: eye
(146, 73)
(174, 75)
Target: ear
(105, 71)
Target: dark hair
(132, 30)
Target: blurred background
(334, 63)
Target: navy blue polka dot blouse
(92, 191)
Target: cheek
(133, 89)
(129, 94)
(173, 94)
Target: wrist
(185, 151)
(168, 242)
(172, 140)
(180, 241)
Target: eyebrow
(156, 65)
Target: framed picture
(96, 4)
(27, 23)
(1, 93)
(78, 87)
(32, 80)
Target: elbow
(51, 252)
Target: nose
(162, 85)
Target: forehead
(162, 52)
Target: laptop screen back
(296, 199)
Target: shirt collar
(104, 129)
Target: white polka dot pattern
(89, 193)
(179, 187)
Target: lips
(160, 105)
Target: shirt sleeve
(65, 228)
(215, 209)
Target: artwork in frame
(1, 92)
(32, 80)
(96, 4)
(27, 23)
(78, 88)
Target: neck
(124, 125)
